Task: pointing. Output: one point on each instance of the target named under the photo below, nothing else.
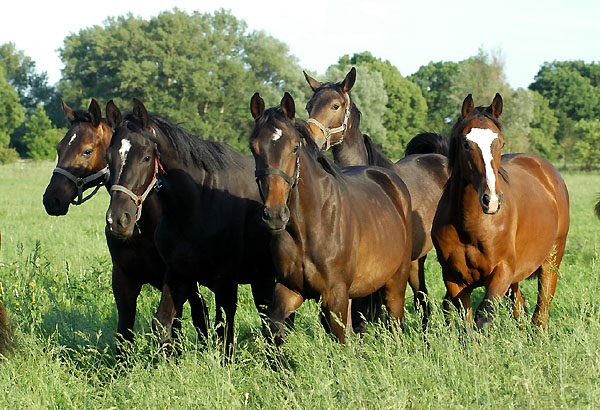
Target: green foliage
(199, 70)
(12, 113)
(543, 127)
(435, 81)
(56, 286)
(41, 136)
(587, 142)
(406, 109)
(516, 117)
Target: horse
(337, 234)
(501, 219)
(334, 122)
(6, 334)
(208, 232)
(82, 165)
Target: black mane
(188, 148)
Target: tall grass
(55, 284)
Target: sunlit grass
(55, 277)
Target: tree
(41, 136)
(516, 118)
(405, 111)
(543, 127)
(12, 114)
(587, 142)
(435, 81)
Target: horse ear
(349, 81)
(95, 112)
(288, 106)
(496, 108)
(257, 106)
(113, 115)
(140, 113)
(314, 84)
(68, 111)
(467, 107)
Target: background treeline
(201, 70)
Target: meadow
(55, 283)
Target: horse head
(275, 145)
(81, 164)
(134, 166)
(329, 110)
(476, 150)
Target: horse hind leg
(199, 312)
(395, 294)
(416, 280)
(547, 277)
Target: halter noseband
(292, 181)
(81, 182)
(329, 131)
(138, 200)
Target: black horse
(81, 166)
(209, 231)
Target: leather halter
(292, 181)
(81, 182)
(138, 200)
(329, 131)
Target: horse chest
(470, 264)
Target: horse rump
(427, 143)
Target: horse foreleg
(496, 289)
(226, 303)
(199, 313)
(459, 297)
(517, 299)
(285, 302)
(416, 280)
(171, 305)
(335, 308)
(126, 292)
(547, 278)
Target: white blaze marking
(484, 139)
(72, 139)
(123, 151)
(277, 134)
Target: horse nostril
(266, 216)
(284, 214)
(124, 220)
(485, 199)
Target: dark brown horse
(501, 219)
(82, 165)
(335, 122)
(209, 231)
(337, 234)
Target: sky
(407, 33)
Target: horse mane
(376, 157)
(481, 112)
(188, 148)
(428, 143)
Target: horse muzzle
(491, 203)
(276, 219)
(57, 199)
(120, 224)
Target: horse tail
(428, 143)
(6, 333)
(597, 209)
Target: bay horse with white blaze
(335, 122)
(337, 234)
(82, 165)
(501, 219)
(209, 230)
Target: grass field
(55, 283)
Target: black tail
(6, 334)
(428, 143)
(597, 209)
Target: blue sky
(407, 33)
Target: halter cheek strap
(138, 200)
(101, 175)
(329, 131)
(292, 181)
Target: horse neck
(352, 150)
(463, 199)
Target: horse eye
(87, 152)
(336, 106)
(466, 144)
(295, 149)
(147, 158)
